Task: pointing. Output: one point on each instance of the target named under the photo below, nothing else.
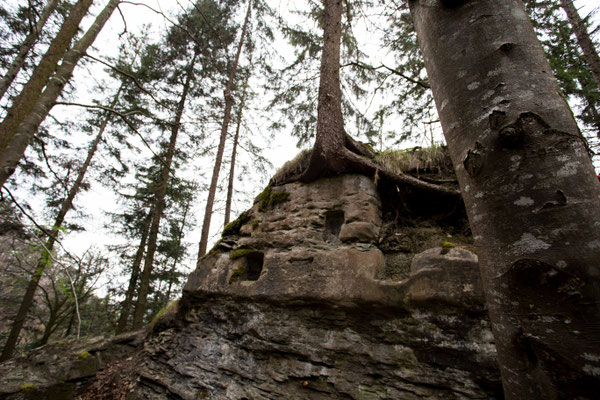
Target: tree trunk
(31, 120)
(133, 279)
(212, 191)
(25, 48)
(26, 100)
(176, 258)
(159, 203)
(326, 154)
(65, 206)
(530, 191)
(234, 152)
(583, 39)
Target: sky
(278, 149)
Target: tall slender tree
(236, 138)
(159, 201)
(43, 263)
(25, 47)
(583, 38)
(28, 97)
(16, 132)
(529, 188)
(224, 128)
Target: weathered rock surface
(313, 294)
(293, 308)
(62, 370)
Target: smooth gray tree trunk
(531, 193)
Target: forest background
(143, 54)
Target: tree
(583, 38)
(25, 47)
(18, 128)
(159, 201)
(27, 98)
(534, 229)
(224, 127)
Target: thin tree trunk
(25, 48)
(26, 100)
(234, 151)
(159, 203)
(30, 121)
(530, 191)
(583, 39)
(135, 272)
(176, 258)
(65, 206)
(224, 127)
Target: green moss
(446, 246)
(278, 197)
(28, 387)
(233, 228)
(268, 199)
(255, 224)
(263, 198)
(237, 253)
(237, 274)
(169, 309)
(84, 355)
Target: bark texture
(212, 191)
(30, 118)
(583, 39)
(26, 100)
(25, 48)
(159, 201)
(530, 190)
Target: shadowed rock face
(298, 302)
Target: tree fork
(531, 193)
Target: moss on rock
(233, 228)
(237, 274)
(269, 198)
(238, 253)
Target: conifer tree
(25, 47)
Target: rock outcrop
(295, 303)
(317, 293)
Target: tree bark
(530, 191)
(234, 152)
(159, 202)
(20, 134)
(25, 48)
(224, 127)
(133, 279)
(583, 39)
(65, 206)
(26, 100)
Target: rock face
(62, 370)
(295, 304)
(315, 293)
